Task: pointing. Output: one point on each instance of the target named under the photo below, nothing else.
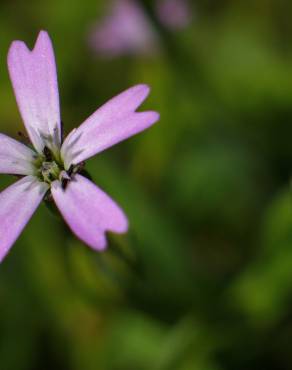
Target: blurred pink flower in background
(174, 14)
(125, 30)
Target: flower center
(50, 168)
(49, 171)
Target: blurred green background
(203, 279)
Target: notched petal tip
(115, 121)
(137, 94)
(88, 211)
(43, 39)
(34, 79)
(121, 228)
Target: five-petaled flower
(52, 166)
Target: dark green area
(203, 279)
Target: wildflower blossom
(125, 30)
(53, 166)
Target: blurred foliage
(203, 279)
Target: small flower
(53, 167)
(125, 30)
(128, 30)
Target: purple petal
(34, 79)
(15, 158)
(18, 202)
(113, 122)
(88, 211)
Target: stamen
(50, 171)
(49, 168)
(47, 153)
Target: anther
(47, 153)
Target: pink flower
(174, 14)
(125, 30)
(53, 166)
